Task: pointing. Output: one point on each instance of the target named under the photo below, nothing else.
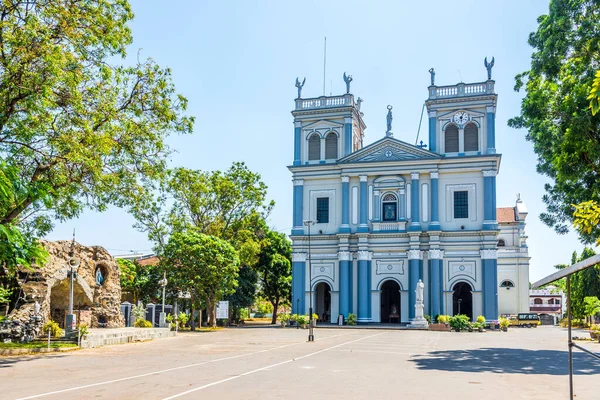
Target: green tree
(274, 270)
(77, 130)
(245, 293)
(592, 307)
(583, 283)
(205, 265)
(556, 110)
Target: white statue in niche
(419, 290)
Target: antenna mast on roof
(324, 63)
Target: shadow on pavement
(7, 361)
(508, 361)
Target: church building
(369, 222)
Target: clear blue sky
(237, 62)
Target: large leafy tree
(206, 265)
(556, 109)
(274, 270)
(77, 130)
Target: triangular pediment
(389, 149)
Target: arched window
(501, 243)
(538, 301)
(451, 139)
(389, 205)
(507, 284)
(471, 137)
(551, 301)
(331, 146)
(314, 147)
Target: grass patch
(36, 345)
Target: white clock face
(461, 117)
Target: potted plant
(284, 319)
(351, 319)
(595, 332)
(315, 318)
(504, 323)
(302, 321)
(459, 322)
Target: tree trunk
(275, 306)
(192, 320)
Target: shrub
(595, 329)
(54, 329)
(302, 319)
(244, 313)
(481, 319)
(443, 319)
(284, 319)
(139, 312)
(83, 330)
(427, 317)
(351, 319)
(169, 318)
(315, 317)
(478, 324)
(183, 318)
(459, 322)
(503, 322)
(142, 323)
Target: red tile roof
(505, 214)
(152, 260)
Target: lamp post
(163, 316)
(73, 263)
(311, 336)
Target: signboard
(223, 310)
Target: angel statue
(299, 86)
(347, 79)
(389, 121)
(489, 67)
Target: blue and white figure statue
(389, 119)
(99, 277)
(299, 86)
(489, 67)
(432, 73)
(347, 79)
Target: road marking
(162, 371)
(267, 367)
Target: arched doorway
(323, 301)
(390, 302)
(59, 302)
(462, 299)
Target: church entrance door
(390, 302)
(323, 302)
(462, 300)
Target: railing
(325, 102)
(461, 90)
(389, 226)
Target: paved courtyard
(268, 363)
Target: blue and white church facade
(387, 215)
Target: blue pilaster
(414, 202)
(345, 228)
(434, 225)
(436, 283)
(376, 206)
(432, 131)
(363, 227)
(415, 260)
(491, 130)
(298, 205)
(347, 136)
(489, 200)
(297, 141)
(369, 302)
(489, 267)
(363, 287)
(402, 205)
(298, 289)
(345, 284)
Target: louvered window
(451, 143)
(331, 146)
(314, 148)
(471, 137)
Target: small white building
(548, 303)
(513, 259)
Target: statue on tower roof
(299, 86)
(432, 72)
(489, 67)
(347, 79)
(389, 118)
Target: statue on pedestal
(299, 86)
(347, 79)
(489, 67)
(432, 72)
(419, 321)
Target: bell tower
(326, 128)
(462, 117)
